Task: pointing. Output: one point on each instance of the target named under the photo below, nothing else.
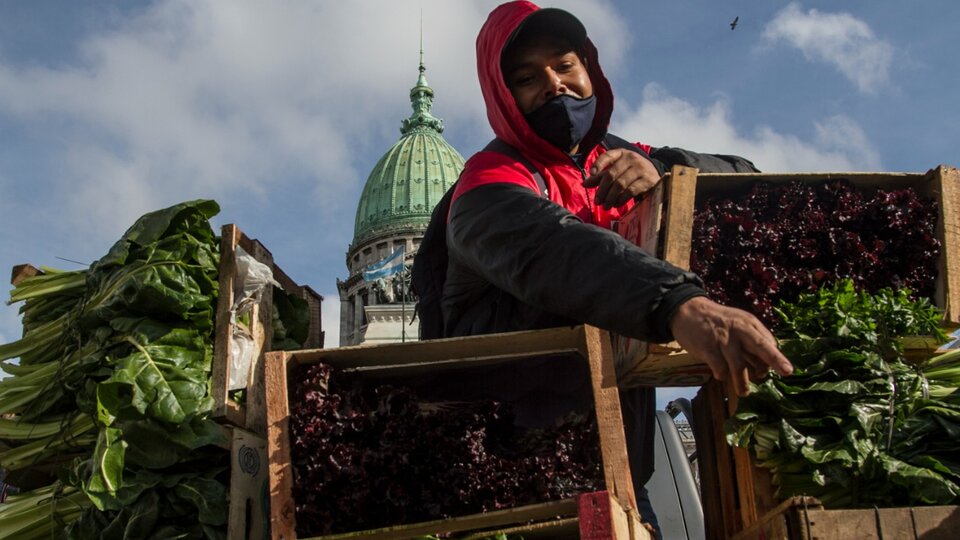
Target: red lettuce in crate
(376, 455)
(781, 240)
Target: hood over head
(503, 24)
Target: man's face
(543, 67)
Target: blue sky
(279, 110)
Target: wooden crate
(736, 493)
(252, 414)
(804, 518)
(516, 351)
(663, 224)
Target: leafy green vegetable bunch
(120, 356)
(855, 424)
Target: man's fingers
(764, 348)
(737, 366)
(604, 160)
(616, 190)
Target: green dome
(411, 177)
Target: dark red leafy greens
(781, 240)
(372, 456)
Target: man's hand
(620, 175)
(731, 341)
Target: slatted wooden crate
(803, 518)
(663, 225)
(605, 514)
(739, 498)
(251, 414)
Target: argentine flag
(392, 264)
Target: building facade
(393, 213)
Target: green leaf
(107, 474)
(162, 379)
(209, 497)
(151, 227)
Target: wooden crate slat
(282, 509)
(255, 396)
(555, 529)
(949, 231)
(678, 224)
(496, 518)
(514, 344)
(229, 236)
(248, 518)
(613, 444)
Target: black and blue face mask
(564, 120)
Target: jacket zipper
(583, 178)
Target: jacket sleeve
(545, 256)
(708, 163)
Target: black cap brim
(551, 21)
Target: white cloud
(214, 98)
(665, 120)
(839, 39)
(330, 319)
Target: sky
(279, 110)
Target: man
(521, 259)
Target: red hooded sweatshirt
(563, 177)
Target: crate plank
(678, 224)
(249, 511)
(428, 357)
(613, 444)
(493, 519)
(282, 508)
(948, 179)
(223, 406)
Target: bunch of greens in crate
(855, 424)
(370, 456)
(290, 321)
(110, 398)
(778, 241)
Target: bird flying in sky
(734, 23)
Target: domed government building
(393, 213)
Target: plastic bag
(251, 280)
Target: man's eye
(522, 80)
(565, 67)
